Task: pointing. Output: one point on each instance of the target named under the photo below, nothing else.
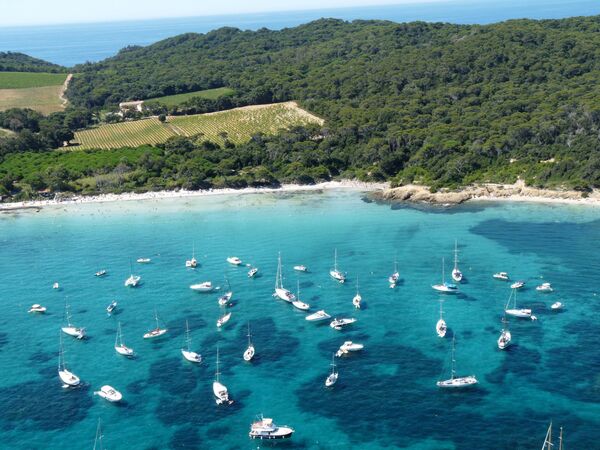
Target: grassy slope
(178, 99)
(43, 99)
(239, 124)
(20, 80)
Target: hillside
(35, 90)
(19, 62)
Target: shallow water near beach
(386, 395)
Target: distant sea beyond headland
(72, 44)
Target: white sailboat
(440, 326)
(335, 273)
(186, 352)
(514, 311)
(333, 376)
(133, 280)
(156, 332)
(548, 444)
(68, 378)
(357, 298)
(250, 351)
(298, 304)
(454, 381)
(280, 291)
(192, 263)
(505, 335)
(445, 287)
(225, 298)
(219, 389)
(394, 277)
(71, 329)
(456, 273)
(121, 348)
(223, 320)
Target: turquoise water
(72, 44)
(385, 397)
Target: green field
(21, 80)
(178, 99)
(239, 125)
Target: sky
(37, 12)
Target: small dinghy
(338, 324)
(37, 309)
(109, 393)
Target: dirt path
(175, 129)
(62, 97)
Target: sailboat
(192, 263)
(68, 378)
(121, 348)
(548, 445)
(333, 376)
(249, 353)
(71, 329)
(219, 389)
(280, 291)
(133, 280)
(393, 278)
(517, 312)
(505, 336)
(335, 273)
(298, 303)
(357, 298)
(456, 273)
(225, 298)
(454, 381)
(446, 288)
(440, 326)
(186, 352)
(98, 439)
(158, 331)
(223, 319)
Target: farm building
(132, 106)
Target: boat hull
(249, 353)
(284, 295)
(459, 382)
(191, 356)
(522, 313)
(123, 350)
(68, 378)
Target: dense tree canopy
(19, 62)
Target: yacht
(501, 276)
(234, 260)
(252, 272)
(333, 376)
(338, 324)
(318, 316)
(280, 291)
(186, 352)
(301, 268)
(347, 347)
(440, 326)
(143, 260)
(335, 273)
(444, 287)
(158, 331)
(514, 311)
(250, 351)
(220, 390)
(266, 429)
(298, 304)
(225, 298)
(109, 393)
(121, 348)
(357, 299)
(505, 336)
(394, 277)
(68, 378)
(517, 285)
(37, 309)
(223, 320)
(544, 287)
(100, 273)
(71, 329)
(557, 305)
(192, 263)
(454, 381)
(110, 308)
(456, 273)
(132, 281)
(205, 286)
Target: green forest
(440, 104)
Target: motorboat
(501, 276)
(68, 378)
(55, 286)
(357, 299)
(514, 311)
(445, 287)
(333, 376)
(544, 287)
(121, 348)
(338, 324)
(109, 393)
(252, 272)
(456, 273)
(36, 308)
(266, 429)
(394, 277)
(348, 347)
(225, 298)
(234, 260)
(192, 263)
(335, 273)
(132, 281)
(557, 305)
(440, 326)
(454, 381)
(156, 332)
(223, 320)
(298, 304)
(250, 351)
(205, 286)
(517, 285)
(301, 268)
(71, 329)
(318, 316)
(186, 352)
(280, 291)
(143, 260)
(219, 389)
(100, 273)
(110, 308)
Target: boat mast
(548, 439)
(332, 363)
(441, 310)
(443, 270)
(560, 440)
(61, 356)
(453, 360)
(156, 318)
(217, 373)
(335, 260)
(118, 337)
(279, 277)
(357, 285)
(455, 254)
(249, 335)
(187, 334)
(98, 439)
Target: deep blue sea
(386, 395)
(77, 43)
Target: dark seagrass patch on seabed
(186, 437)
